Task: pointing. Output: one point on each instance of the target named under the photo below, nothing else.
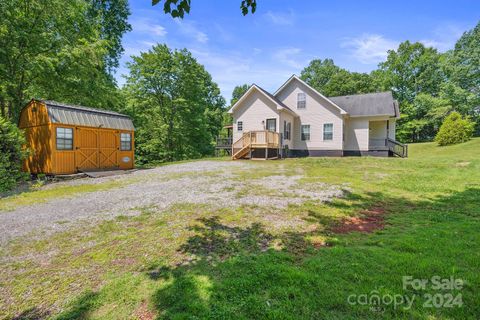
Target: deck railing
(223, 143)
(257, 139)
(397, 148)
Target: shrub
(11, 155)
(455, 129)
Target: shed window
(301, 100)
(328, 131)
(305, 132)
(125, 141)
(64, 139)
(240, 125)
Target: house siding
(318, 111)
(356, 134)
(255, 109)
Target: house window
(289, 130)
(305, 132)
(328, 131)
(125, 141)
(301, 100)
(64, 139)
(240, 125)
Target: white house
(297, 120)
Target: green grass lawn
(195, 262)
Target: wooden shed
(65, 139)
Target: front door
(272, 125)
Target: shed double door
(96, 149)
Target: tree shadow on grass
(236, 275)
(33, 314)
(81, 307)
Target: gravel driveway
(214, 183)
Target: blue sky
(284, 35)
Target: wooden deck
(252, 141)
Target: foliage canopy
(11, 154)
(176, 106)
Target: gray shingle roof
(84, 116)
(369, 104)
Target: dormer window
(301, 100)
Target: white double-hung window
(328, 131)
(301, 100)
(305, 132)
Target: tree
(331, 80)
(412, 69)
(455, 129)
(59, 50)
(421, 119)
(11, 155)
(462, 66)
(238, 92)
(176, 107)
(183, 6)
(466, 61)
(318, 73)
(112, 15)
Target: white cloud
(145, 26)
(289, 57)
(281, 19)
(189, 29)
(444, 37)
(370, 48)
(257, 51)
(231, 68)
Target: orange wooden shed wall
(93, 148)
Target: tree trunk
(2, 107)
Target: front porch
(380, 142)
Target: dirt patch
(143, 313)
(462, 164)
(369, 221)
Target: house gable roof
(294, 77)
(280, 105)
(369, 104)
(83, 116)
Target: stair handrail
(397, 148)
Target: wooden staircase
(253, 140)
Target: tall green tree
(331, 80)
(238, 92)
(176, 107)
(412, 69)
(58, 50)
(112, 15)
(462, 66)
